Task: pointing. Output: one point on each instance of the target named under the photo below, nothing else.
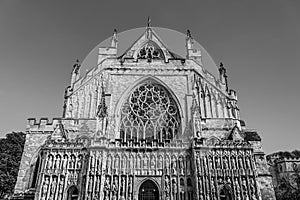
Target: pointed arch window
(150, 51)
(149, 113)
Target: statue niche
(149, 113)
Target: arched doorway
(225, 193)
(148, 191)
(73, 193)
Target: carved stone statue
(233, 162)
(218, 163)
(57, 162)
(248, 162)
(253, 190)
(167, 187)
(79, 162)
(108, 164)
(61, 185)
(130, 188)
(160, 162)
(123, 187)
(174, 187)
(106, 188)
(225, 161)
(198, 163)
(50, 162)
(241, 163)
(65, 162)
(188, 166)
(174, 166)
(153, 162)
(244, 185)
(115, 187)
(91, 184)
(53, 188)
(181, 165)
(45, 188)
(210, 163)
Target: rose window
(150, 52)
(149, 113)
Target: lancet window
(149, 113)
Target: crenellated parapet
(45, 125)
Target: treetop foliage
(11, 149)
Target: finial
(188, 34)
(223, 75)
(222, 68)
(189, 40)
(148, 29)
(149, 22)
(114, 39)
(76, 66)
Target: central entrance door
(148, 191)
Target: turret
(192, 53)
(109, 52)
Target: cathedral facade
(145, 125)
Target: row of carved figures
(176, 165)
(53, 187)
(63, 161)
(211, 188)
(206, 163)
(121, 187)
(174, 188)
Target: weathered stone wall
(33, 144)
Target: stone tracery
(149, 113)
(149, 51)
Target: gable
(149, 46)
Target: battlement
(49, 125)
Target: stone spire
(149, 22)
(75, 72)
(114, 40)
(189, 40)
(148, 29)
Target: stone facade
(145, 125)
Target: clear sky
(258, 41)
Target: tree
(289, 189)
(11, 149)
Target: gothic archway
(225, 193)
(149, 113)
(73, 193)
(148, 191)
